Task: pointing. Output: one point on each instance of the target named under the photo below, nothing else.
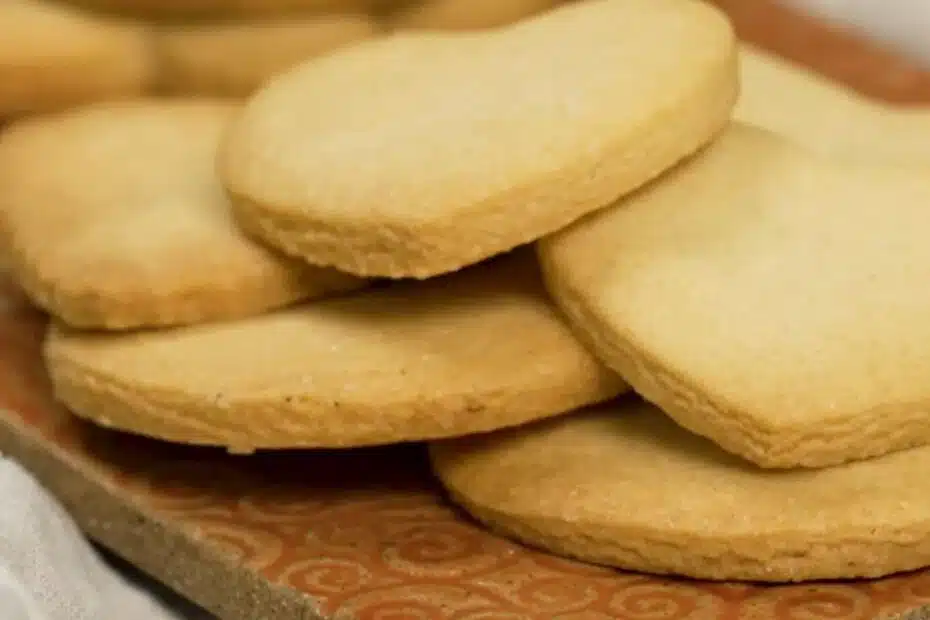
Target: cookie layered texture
(418, 154)
(235, 58)
(472, 352)
(113, 217)
(624, 486)
(827, 117)
(765, 297)
(53, 56)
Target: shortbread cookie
(115, 218)
(622, 485)
(764, 297)
(229, 9)
(475, 351)
(52, 57)
(466, 14)
(235, 58)
(418, 154)
(826, 116)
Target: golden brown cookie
(235, 58)
(471, 352)
(465, 14)
(114, 218)
(180, 10)
(827, 117)
(52, 57)
(766, 297)
(622, 485)
(419, 154)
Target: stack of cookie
(485, 240)
(57, 54)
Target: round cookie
(624, 486)
(764, 296)
(471, 352)
(465, 14)
(235, 58)
(385, 159)
(114, 218)
(52, 57)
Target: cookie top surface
(477, 350)
(419, 153)
(766, 297)
(622, 484)
(114, 217)
(818, 113)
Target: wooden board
(366, 535)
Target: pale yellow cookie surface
(53, 56)
(769, 299)
(114, 218)
(465, 14)
(419, 154)
(827, 117)
(622, 485)
(471, 352)
(235, 58)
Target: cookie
(180, 10)
(235, 58)
(827, 117)
(114, 218)
(53, 57)
(622, 485)
(386, 160)
(766, 297)
(475, 351)
(466, 14)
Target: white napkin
(48, 570)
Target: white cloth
(48, 570)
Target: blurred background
(59, 53)
(900, 24)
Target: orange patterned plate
(366, 535)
